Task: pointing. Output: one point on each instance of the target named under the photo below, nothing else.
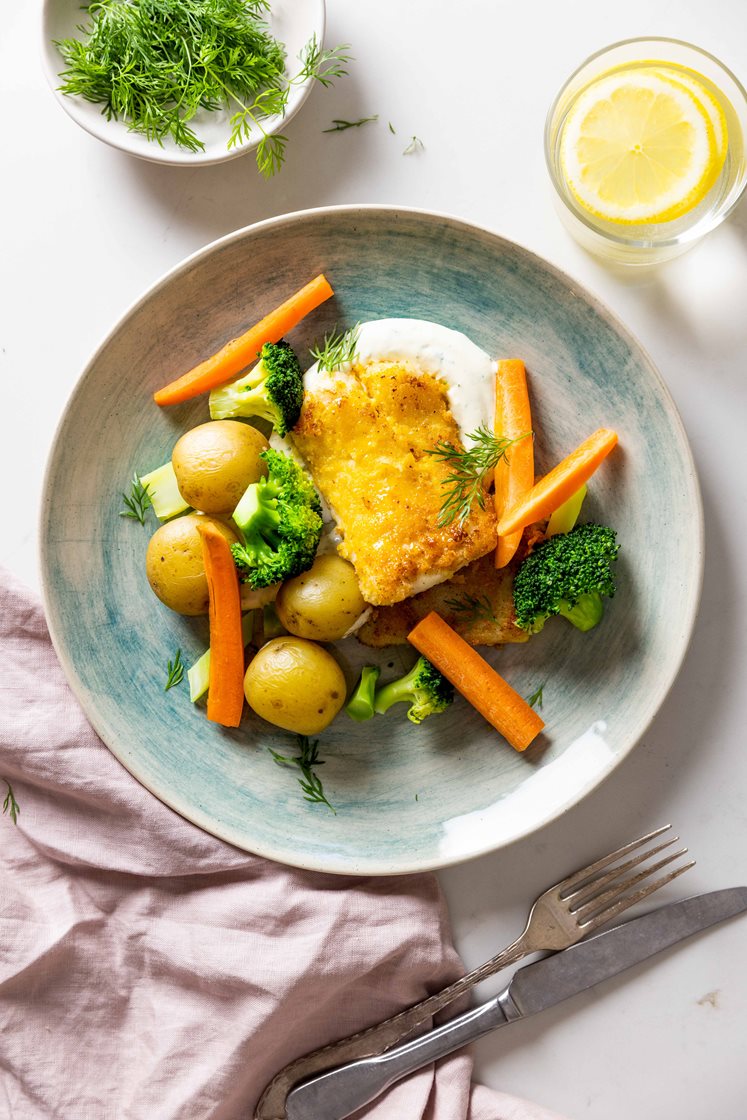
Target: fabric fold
(149, 970)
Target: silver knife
(339, 1092)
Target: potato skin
(295, 684)
(215, 462)
(323, 603)
(174, 564)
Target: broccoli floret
(273, 390)
(566, 574)
(424, 688)
(280, 521)
(360, 706)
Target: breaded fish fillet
(477, 602)
(364, 435)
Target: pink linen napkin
(148, 970)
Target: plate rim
(343, 865)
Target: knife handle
(375, 1040)
(340, 1092)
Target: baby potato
(322, 603)
(174, 564)
(295, 684)
(215, 462)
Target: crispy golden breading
(477, 602)
(364, 438)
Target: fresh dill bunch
(155, 64)
(138, 502)
(470, 472)
(10, 805)
(338, 349)
(472, 608)
(309, 781)
(174, 671)
(342, 126)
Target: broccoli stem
(587, 612)
(163, 491)
(566, 516)
(360, 707)
(256, 514)
(397, 692)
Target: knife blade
(339, 1092)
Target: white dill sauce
(467, 371)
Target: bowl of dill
(186, 83)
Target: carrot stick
(226, 682)
(559, 484)
(242, 351)
(478, 682)
(514, 475)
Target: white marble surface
(85, 230)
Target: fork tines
(597, 895)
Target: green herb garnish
(415, 145)
(392, 129)
(10, 805)
(342, 126)
(472, 608)
(470, 472)
(535, 700)
(309, 782)
(138, 502)
(338, 348)
(155, 64)
(175, 671)
(317, 64)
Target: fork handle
(375, 1040)
(340, 1092)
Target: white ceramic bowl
(294, 23)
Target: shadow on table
(700, 293)
(217, 200)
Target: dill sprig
(415, 145)
(309, 781)
(175, 671)
(138, 501)
(338, 349)
(342, 126)
(10, 805)
(155, 64)
(472, 608)
(317, 64)
(535, 700)
(470, 472)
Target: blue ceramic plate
(406, 797)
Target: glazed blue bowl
(406, 797)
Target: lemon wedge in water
(638, 147)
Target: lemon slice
(708, 101)
(639, 148)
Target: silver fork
(560, 917)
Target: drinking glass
(649, 243)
